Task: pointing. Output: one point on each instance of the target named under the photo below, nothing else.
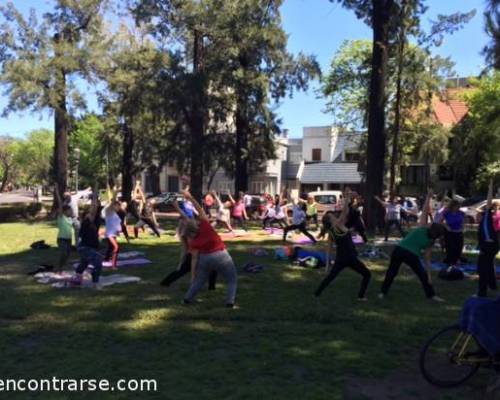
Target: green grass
(281, 343)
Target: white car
(473, 212)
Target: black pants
(400, 256)
(184, 269)
(271, 221)
(486, 268)
(125, 231)
(358, 225)
(314, 218)
(301, 227)
(149, 222)
(389, 224)
(454, 243)
(241, 222)
(338, 266)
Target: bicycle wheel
(447, 359)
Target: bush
(16, 211)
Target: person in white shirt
(392, 215)
(298, 220)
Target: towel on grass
(63, 280)
(133, 262)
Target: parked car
(257, 207)
(163, 202)
(326, 199)
(473, 212)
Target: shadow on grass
(281, 343)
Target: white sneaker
(437, 299)
(381, 296)
(362, 299)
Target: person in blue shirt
(299, 219)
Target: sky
(316, 27)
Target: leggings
(338, 266)
(270, 221)
(90, 256)
(240, 220)
(486, 268)
(184, 269)
(359, 226)
(125, 231)
(301, 227)
(220, 262)
(112, 251)
(454, 243)
(400, 256)
(146, 221)
(389, 224)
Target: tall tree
(8, 151)
(40, 61)
(492, 20)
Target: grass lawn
(281, 343)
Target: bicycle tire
(467, 371)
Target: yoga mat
(128, 262)
(63, 280)
(275, 231)
(303, 241)
(437, 266)
(130, 254)
(356, 239)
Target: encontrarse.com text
(77, 385)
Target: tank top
(113, 225)
(238, 209)
(344, 244)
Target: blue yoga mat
(438, 266)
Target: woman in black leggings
(346, 255)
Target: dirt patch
(408, 383)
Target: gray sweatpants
(223, 264)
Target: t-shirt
(416, 241)
(312, 209)
(89, 233)
(113, 225)
(238, 209)
(454, 220)
(393, 212)
(187, 208)
(207, 241)
(65, 227)
(298, 215)
(280, 212)
(247, 199)
(222, 214)
(496, 221)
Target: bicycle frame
(463, 358)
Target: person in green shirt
(417, 242)
(312, 210)
(64, 231)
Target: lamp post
(77, 164)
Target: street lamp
(77, 164)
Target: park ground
(280, 343)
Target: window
(413, 175)
(352, 156)
(173, 183)
(316, 154)
(326, 199)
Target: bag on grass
(39, 245)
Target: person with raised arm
(185, 263)
(298, 220)
(392, 215)
(146, 214)
(488, 248)
(88, 247)
(223, 214)
(209, 254)
(239, 212)
(113, 225)
(418, 241)
(346, 254)
(64, 230)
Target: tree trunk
(211, 178)
(5, 177)
(127, 163)
(154, 174)
(241, 150)
(376, 110)
(397, 110)
(61, 129)
(197, 124)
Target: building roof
(449, 108)
(330, 172)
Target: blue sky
(315, 27)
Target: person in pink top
(496, 216)
(239, 213)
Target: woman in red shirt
(209, 255)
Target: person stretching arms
(298, 220)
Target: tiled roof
(449, 109)
(336, 172)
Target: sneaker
(363, 299)
(381, 296)
(186, 302)
(437, 299)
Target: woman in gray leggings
(209, 255)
